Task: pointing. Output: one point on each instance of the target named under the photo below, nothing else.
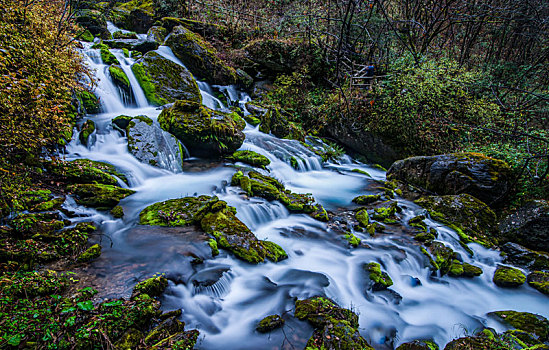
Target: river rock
(205, 132)
(473, 220)
(518, 255)
(335, 327)
(157, 34)
(485, 178)
(509, 277)
(94, 21)
(85, 171)
(534, 324)
(528, 226)
(200, 57)
(138, 45)
(152, 145)
(86, 135)
(270, 323)
(120, 79)
(102, 197)
(164, 81)
(539, 280)
(380, 280)
(217, 219)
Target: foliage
(37, 76)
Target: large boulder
(140, 45)
(528, 226)
(152, 145)
(486, 178)
(135, 15)
(120, 79)
(205, 132)
(200, 57)
(164, 81)
(518, 255)
(94, 21)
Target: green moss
(385, 211)
(89, 101)
(108, 58)
(90, 254)
(213, 245)
(252, 158)
(87, 36)
(274, 252)
(535, 324)
(367, 199)
(54, 204)
(294, 163)
(508, 277)
(124, 35)
(149, 89)
(270, 323)
(363, 217)
(117, 212)
(252, 120)
(100, 46)
(352, 239)
(119, 77)
(539, 280)
(153, 287)
(361, 172)
(85, 171)
(381, 280)
(175, 212)
(102, 197)
(419, 345)
(126, 52)
(87, 129)
(146, 6)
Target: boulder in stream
(518, 255)
(200, 57)
(86, 135)
(270, 323)
(508, 277)
(536, 325)
(164, 81)
(485, 178)
(138, 45)
(539, 280)
(205, 132)
(528, 226)
(102, 197)
(380, 280)
(94, 21)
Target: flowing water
(224, 297)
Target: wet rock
(251, 157)
(54, 204)
(518, 255)
(102, 197)
(90, 254)
(440, 257)
(485, 178)
(418, 345)
(458, 269)
(134, 15)
(157, 34)
(200, 57)
(117, 212)
(272, 121)
(153, 287)
(508, 277)
(164, 81)
(85, 171)
(134, 45)
(86, 132)
(539, 280)
(486, 340)
(205, 132)
(120, 79)
(89, 101)
(367, 199)
(472, 220)
(216, 218)
(380, 280)
(536, 325)
(528, 226)
(152, 145)
(270, 323)
(94, 21)
(335, 327)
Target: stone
(164, 81)
(485, 178)
(251, 157)
(205, 132)
(86, 132)
(90, 254)
(508, 277)
(536, 325)
(94, 21)
(418, 345)
(136, 45)
(518, 255)
(528, 226)
(539, 280)
(380, 280)
(270, 323)
(102, 197)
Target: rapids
(233, 296)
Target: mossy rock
(450, 174)
(529, 225)
(205, 132)
(153, 287)
(380, 280)
(352, 239)
(135, 15)
(89, 101)
(385, 210)
(367, 199)
(251, 157)
(164, 81)
(459, 269)
(539, 280)
(335, 327)
(94, 21)
(90, 254)
(120, 79)
(86, 36)
(272, 121)
(88, 128)
(121, 122)
(440, 257)
(270, 323)
(54, 204)
(418, 345)
(157, 34)
(273, 251)
(102, 197)
(117, 212)
(536, 325)
(176, 212)
(200, 57)
(124, 35)
(508, 277)
(485, 340)
(472, 220)
(85, 171)
(515, 254)
(37, 223)
(108, 58)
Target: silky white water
(320, 262)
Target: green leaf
(114, 303)
(86, 305)
(15, 340)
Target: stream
(224, 298)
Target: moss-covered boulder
(108, 57)
(272, 121)
(216, 218)
(440, 257)
(124, 35)
(508, 277)
(85, 171)
(120, 79)
(270, 323)
(86, 132)
(153, 287)
(459, 269)
(473, 220)
(516, 254)
(164, 81)
(485, 178)
(539, 280)
(140, 46)
(487, 340)
(379, 280)
(528, 226)
(90, 254)
(418, 345)
(117, 212)
(102, 197)
(205, 132)
(367, 199)
(251, 157)
(157, 34)
(200, 57)
(89, 101)
(335, 327)
(536, 325)
(134, 15)
(154, 146)
(94, 21)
